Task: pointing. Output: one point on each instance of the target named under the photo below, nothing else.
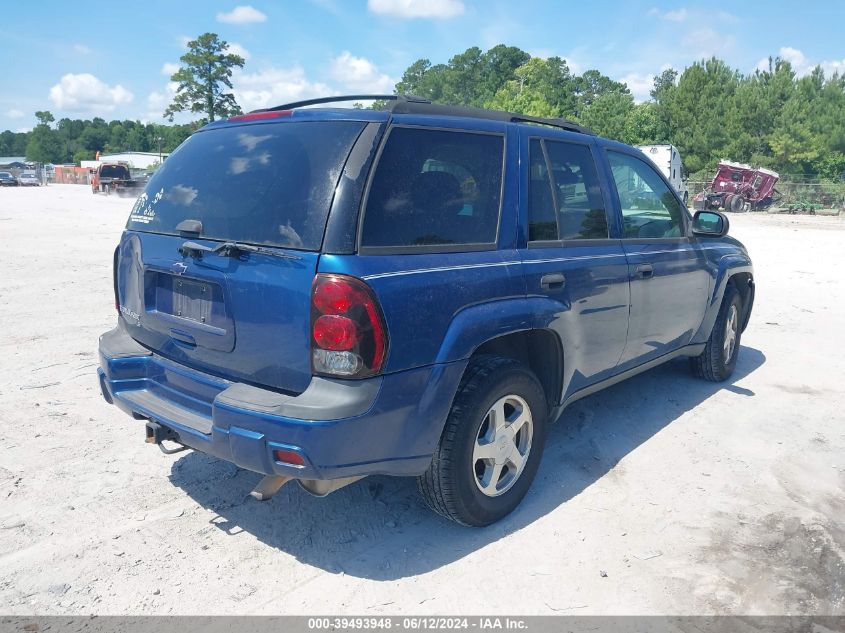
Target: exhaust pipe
(324, 487)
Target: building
(7, 162)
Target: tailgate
(242, 315)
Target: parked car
(7, 179)
(28, 179)
(324, 294)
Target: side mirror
(710, 224)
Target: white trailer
(668, 161)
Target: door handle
(552, 280)
(645, 271)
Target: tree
(608, 114)
(540, 87)
(44, 144)
(205, 73)
(44, 117)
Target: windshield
(114, 171)
(261, 184)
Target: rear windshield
(260, 184)
(114, 171)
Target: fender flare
(728, 267)
(475, 325)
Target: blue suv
(321, 294)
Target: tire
(718, 360)
(452, 485)
(737, 204)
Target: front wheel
(491, 445)
(718, 360)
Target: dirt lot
(690, 497)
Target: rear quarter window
(261, 184)
(435, 188)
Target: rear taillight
(114, 279)
(348, 337)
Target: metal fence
(824, 195)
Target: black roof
(409, 104)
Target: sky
(114, 59)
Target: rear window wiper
(230, 249)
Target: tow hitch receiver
(156, 434)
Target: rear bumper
(384, 425)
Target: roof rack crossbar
(340, 98)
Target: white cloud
(81, 49)
(801, 65)
(678, 15)
(14, 113)
(237, 49)
(242, 15)
(833, 66)
(640, 85)
(796, 58)
(86, 93)
(169, 68)
(274, 86)
(24, 130)
(408, 9)
(360, 75)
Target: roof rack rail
(426, 107)
(340, 98)
(410, 104)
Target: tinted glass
(649, 208)
(262, 184)
(435, 187)
(542, 219)
(114, 171)
(581, 213)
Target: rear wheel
(491, 445)
(718, 360)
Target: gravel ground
(663, 494)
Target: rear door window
(435, 188)
(568, 205)
(260, 184)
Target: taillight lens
(348, 337)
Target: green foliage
(74, 139)
(82, 154)
(710, 111)
(45, 117)
(205, 74)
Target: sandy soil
(690, 497)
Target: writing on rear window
(144, 209)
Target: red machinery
(738, 187)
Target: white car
(28, 179)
